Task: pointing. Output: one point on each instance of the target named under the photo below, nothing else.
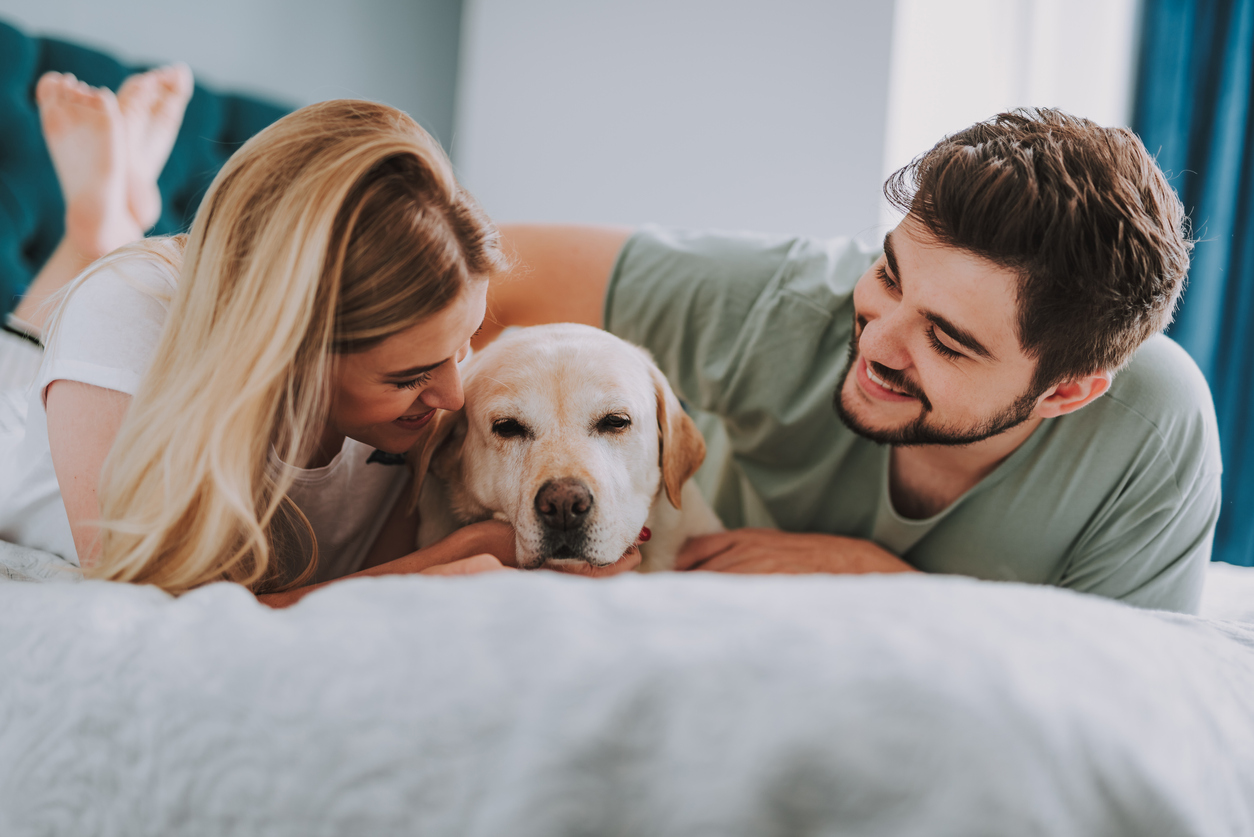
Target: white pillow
(1229, 592)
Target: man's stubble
(921, 431)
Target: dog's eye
(508, 428)
(613, 422)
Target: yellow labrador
(575, 438)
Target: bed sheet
(536, 704)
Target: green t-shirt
(1119, 498)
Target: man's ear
(442, 443)
(1070, 396)
(682, 448)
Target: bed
(684, 704)
(538, 704)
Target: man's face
(934, 359)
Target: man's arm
(562, 274)
(558, 274)
(1153, 553)
(771, 551)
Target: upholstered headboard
(31, 209)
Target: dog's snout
(563, 504)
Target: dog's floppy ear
(442, 443)
(683, 449)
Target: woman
(209, 406)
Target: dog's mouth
(567, 527)
(564, 547)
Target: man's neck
(924, 480)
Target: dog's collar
(385, 458)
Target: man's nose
(884, 341)
(445, 388)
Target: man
(990, 396)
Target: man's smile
(876, 387)
(871, 374)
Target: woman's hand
(473, 565)
(497, 539)
(478, 548)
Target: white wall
(403, 52)
(955, 62)
(702, 113)
(782, 116)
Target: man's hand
(772, 551)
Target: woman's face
(384, 397)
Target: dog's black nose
(563, 504)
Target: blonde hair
(331, 230)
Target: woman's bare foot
(86, 137)
(152, 106)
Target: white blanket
(535, 704)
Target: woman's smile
(416, 421)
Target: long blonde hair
(331, 230)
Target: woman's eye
(413, 383)
(508, 428)
(613, 422)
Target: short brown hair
(1082, 213)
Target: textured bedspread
(534, 704)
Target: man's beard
(919, 431)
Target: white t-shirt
(109, 330)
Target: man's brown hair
(1080, 212)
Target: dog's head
(570, 434)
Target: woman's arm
(559, 274)
(83, 421)
(477, 548)
(480, 547)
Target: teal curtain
(1193, 110)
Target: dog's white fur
(565, 388)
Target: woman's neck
(329, 444)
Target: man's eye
(508, 428)
(613, 422)
(885, 279)
(940, 347)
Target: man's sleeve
(1154, 554)
(697, 301)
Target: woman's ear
(682, 448)
(435, 451)
(1070, 396)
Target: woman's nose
(445, 388)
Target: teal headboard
(31, 209)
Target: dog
(574, 437)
